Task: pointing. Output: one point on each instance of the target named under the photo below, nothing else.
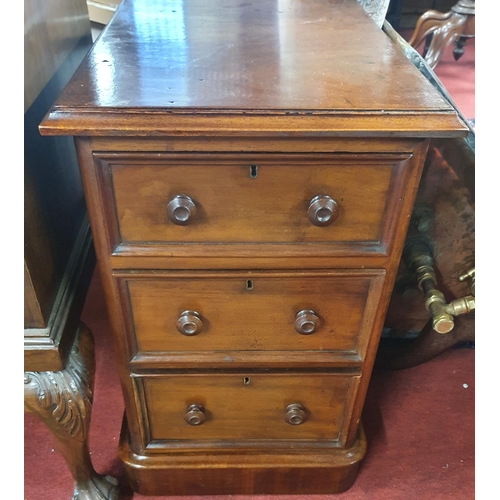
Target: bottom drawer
(246, 406)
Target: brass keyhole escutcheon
(254, 170)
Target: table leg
(63, 401)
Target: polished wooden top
(266, 57)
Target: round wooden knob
(295, 414)
(189, 323)
(181, 210)
(195, 415)
(306, 322)
(323, 210)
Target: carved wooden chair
(439, 30)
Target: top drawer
(347, 202)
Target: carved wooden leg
(63, 401)
(458, 51)
(440, 30)
(444, 29)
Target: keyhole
(253, 171)
(246, 380)
(249, 285)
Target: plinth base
(299, 470)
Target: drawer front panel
(340, 200)
(329, 311)
(246, 406)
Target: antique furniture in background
(440, 29)
(249, 196)
(433, 301)
(404, 14)
(59, 257)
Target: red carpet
(419, 422)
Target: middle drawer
(328, 311)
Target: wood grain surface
(247, 406)
(236, 318)
(233, 207)
(257, 55)
(189, 66)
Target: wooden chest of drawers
(250, 170)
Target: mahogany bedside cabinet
(249, 170)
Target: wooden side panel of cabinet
(57, 37)
(52, 31)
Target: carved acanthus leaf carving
(66, 394)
